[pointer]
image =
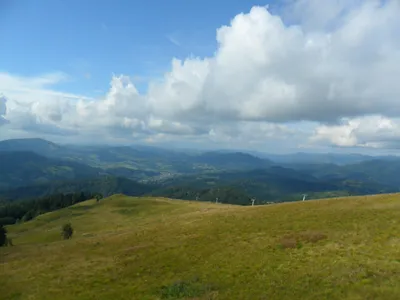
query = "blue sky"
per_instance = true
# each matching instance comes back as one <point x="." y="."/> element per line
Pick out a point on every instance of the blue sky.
<point x="91" y="39"/>
<point x="296" y="75"/>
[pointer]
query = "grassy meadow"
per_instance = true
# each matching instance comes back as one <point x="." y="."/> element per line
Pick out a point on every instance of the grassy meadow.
<point x="154" y="248"/>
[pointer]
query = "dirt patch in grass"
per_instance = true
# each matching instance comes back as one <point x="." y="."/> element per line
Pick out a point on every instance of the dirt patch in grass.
<point x="312" y="236"/>
<point x="289" y="243"/>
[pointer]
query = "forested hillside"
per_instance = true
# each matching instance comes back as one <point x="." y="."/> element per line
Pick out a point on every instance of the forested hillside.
<point x="22" y="211"/>
<point x="106" y="185"/>
<point x="21" y="168"/>
<point x="38" y="168"/>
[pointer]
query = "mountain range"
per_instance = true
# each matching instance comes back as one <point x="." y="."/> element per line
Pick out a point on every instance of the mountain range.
<point x="36" y="167"/>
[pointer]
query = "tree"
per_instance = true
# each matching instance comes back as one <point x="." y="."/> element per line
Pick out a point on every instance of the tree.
<point x="67" y="231"/>
<point x="3" y="236"/>
<point x="98" y="197"/>
<point x="28" y="216"/>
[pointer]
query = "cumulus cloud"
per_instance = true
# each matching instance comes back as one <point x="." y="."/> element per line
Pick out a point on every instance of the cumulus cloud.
<point x="3" y="110"/>
<point x="333" y="63"/>
<point x="368" y="131"/>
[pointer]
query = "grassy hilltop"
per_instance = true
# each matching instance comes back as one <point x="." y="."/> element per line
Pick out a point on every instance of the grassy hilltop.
<point x="154" y="248"/>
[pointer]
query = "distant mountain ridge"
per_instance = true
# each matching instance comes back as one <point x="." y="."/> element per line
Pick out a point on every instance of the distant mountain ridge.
<point x="31" y="144"/>
<point x="39" y="167"/>
<point x="277" y="184"/>
<point x="20" y="168"/>
<point x="149" y="159"/>
<point x="318" y="158"/>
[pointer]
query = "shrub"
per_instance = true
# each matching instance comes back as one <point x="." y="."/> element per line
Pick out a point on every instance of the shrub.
<point x="28" y="216"/>
<point x="3" y="236"/>
<point x="67" y="231"/>
<point x="98" y="197"/>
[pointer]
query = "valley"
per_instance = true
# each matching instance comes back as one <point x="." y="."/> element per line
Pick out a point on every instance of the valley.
<point x="36" y="168"/>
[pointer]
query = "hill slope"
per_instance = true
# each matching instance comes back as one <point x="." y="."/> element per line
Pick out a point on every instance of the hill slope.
<point x="232" y="161"/>
<point x="36" y="145"/>
<point x="318" y="158"/>
<point x="136" y="162"/>
<point x="275" y="183"/>
<point x="22" y="168"/>
<point x="26" y="174"/>
<point x="150" y="248"/>
<point x="105" y="185"/>
<point x="380" y="171"/>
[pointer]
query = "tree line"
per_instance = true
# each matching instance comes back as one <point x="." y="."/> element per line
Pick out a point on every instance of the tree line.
<point x="12" y="212"/>
<point x="224" y="194"/>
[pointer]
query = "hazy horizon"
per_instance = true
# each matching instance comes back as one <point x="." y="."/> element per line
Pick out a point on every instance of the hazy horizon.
<point x="185" y="147"/>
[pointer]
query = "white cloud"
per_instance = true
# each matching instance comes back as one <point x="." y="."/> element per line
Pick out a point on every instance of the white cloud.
<point x="367" y="131"/>
<point x="332" y="63"/>
<point x="3" y="110"/>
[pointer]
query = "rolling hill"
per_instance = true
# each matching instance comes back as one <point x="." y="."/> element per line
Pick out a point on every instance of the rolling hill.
<point x="231" y="177"/>
<point x="105" y="185"/>
<point x="21" y="168"/>
<point x="137" y="162"/>
<point x="36" y="145"/>
<point x="302" y="158"/>
<point x="155" y="248"/>
<point x="381" y="171"/>
<point x="277" y="184"/>
<point x="231" y="161"/>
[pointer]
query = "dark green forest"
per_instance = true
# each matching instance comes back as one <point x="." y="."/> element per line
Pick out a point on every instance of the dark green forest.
<point x="25" y="210"/>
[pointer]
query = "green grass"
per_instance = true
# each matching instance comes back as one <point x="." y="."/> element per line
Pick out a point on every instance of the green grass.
<point x="153" y="248"/>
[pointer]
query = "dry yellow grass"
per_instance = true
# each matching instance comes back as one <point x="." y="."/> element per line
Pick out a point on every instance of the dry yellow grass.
<point x="146" y="248"/>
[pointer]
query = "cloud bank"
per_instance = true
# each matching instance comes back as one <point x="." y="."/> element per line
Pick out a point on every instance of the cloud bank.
<point x="332" y="65"/>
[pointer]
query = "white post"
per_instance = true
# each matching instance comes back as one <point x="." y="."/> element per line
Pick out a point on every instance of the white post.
<point x="216" y="200"/>
<point x="252" y="201"/>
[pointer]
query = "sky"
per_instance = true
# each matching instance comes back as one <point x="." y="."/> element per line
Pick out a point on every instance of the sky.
<point x="272" y="76"/>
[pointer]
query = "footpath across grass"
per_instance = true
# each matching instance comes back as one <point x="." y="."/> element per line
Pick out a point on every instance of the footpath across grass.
<point x="153" y="248"/>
